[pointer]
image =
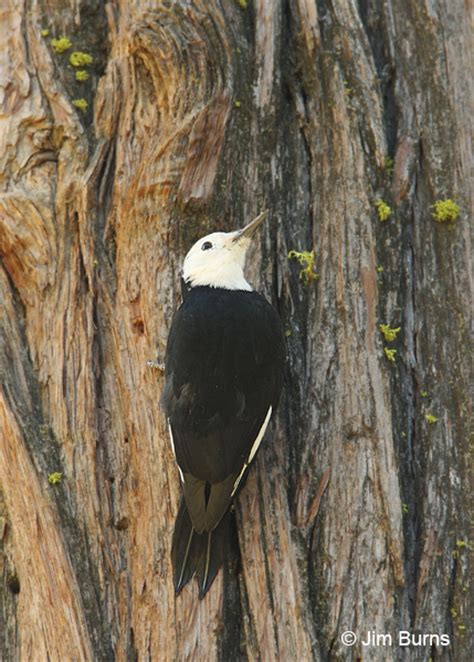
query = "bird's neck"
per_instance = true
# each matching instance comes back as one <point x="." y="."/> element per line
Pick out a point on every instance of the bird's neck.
<point x="227" y="277"/>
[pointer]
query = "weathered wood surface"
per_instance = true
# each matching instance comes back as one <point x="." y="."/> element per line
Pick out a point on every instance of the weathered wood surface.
<point x="200" y="115"/>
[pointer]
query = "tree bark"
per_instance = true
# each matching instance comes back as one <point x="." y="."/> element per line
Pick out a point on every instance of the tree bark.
<point x="201" y="114"/>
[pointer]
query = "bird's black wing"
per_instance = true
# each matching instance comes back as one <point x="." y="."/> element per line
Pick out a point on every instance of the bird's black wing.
<point x="224" y="371"/>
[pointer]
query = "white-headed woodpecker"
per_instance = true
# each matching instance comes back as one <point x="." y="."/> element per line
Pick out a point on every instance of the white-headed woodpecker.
<point x="224" y="372"/>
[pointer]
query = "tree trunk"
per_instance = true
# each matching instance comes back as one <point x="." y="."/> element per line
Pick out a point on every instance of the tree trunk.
<point x="201" y="114"/>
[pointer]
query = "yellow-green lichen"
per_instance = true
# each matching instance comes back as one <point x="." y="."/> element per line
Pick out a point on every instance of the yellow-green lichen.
<point x="383" y="210"/>
<point x="379" y="270"/>
<point x="81" y="104"/>
<point x="45" y="33"/>
<point x="347" y="90"/>
<point x="388" y="333"/>
<point x="79" y="59"/>
<point x="390" y="354"/>
<point x="82" y="75"/>
<point x="424" y="394"/>
<point x="445" y="211"/>
<point x="61" y="45"/>
<point x="288" y="333"/>
<point x="306" y="260"/>
<point x="430" y="418"/>
<point x="243" y="4"/>
<point x="54" y="478"/>
<point x="404" y="508"/>
<point x="388" y="165"/>
<point x="237" y="104"/>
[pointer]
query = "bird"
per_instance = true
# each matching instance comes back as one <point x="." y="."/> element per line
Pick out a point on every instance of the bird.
<point x="224" y="367"/>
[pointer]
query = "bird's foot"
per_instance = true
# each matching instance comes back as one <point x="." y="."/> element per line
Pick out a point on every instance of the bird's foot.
<point x="156" y="365"/>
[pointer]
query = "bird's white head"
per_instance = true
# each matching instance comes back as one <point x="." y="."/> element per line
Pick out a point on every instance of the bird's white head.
<point x="218" y="259"/>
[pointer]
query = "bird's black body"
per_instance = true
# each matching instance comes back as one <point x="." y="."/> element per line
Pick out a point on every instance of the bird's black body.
<point x="224" y="370"/>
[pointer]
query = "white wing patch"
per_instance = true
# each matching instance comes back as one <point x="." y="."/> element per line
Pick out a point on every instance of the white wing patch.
<point x="254" y="449"/>
<point x="174" y="451"/>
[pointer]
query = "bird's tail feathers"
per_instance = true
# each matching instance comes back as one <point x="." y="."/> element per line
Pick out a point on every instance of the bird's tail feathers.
<point x="197" y="553"/>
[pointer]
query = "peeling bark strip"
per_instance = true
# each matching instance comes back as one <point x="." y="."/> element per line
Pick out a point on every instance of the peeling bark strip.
<point x="200" y="113"/>
<point x="204" y="149"/>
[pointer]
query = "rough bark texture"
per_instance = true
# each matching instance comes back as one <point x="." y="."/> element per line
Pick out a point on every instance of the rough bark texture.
<point x="201" y="114"/>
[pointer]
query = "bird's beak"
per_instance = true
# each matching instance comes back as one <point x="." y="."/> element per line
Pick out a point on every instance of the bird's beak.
<point x="250" y="229"/>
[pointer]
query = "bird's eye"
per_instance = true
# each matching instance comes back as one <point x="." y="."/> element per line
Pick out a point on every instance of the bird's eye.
<point x="206" y="245"/>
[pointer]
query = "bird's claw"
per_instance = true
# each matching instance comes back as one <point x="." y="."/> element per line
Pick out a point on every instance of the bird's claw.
<point x="156" y="365"/>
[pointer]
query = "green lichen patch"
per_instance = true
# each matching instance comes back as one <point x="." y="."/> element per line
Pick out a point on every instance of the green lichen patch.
<point x="82" y="75"/>
<point x="383" y="210"/>
<point x="445" y="211"/>
<point x="45" y="33"/>
<point x="390" y="354"/>
<point x="237" y="104"/>
<point x="243" y="4"/>
<point x="347" y="89"/>
<point x="81" y="104"/>
<point x="388" y="165"/>
<point x="430" y="418"/>
<point x="388" y="333"/>
<point x="55" y="478"/>
<point x="307" y="261"/>
<point x="79" y="59"/>
<point x="61" y="45"/>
